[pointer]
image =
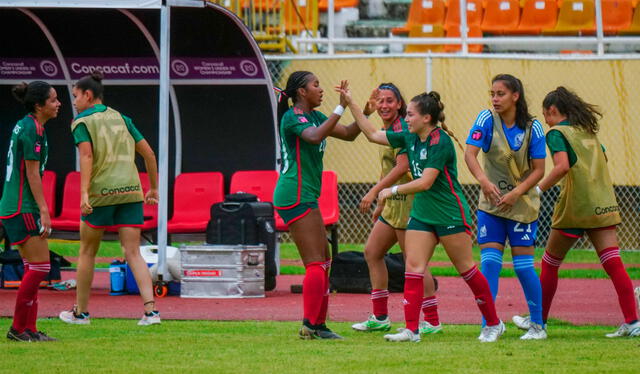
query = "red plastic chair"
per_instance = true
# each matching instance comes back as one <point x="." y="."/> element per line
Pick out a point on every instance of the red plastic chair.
<point x="69" y="218"/>
<point x="49" y="189"/>
<point x="328" y="201"/>
<point x="261" y="183"/>
<point x="193" y="195"/>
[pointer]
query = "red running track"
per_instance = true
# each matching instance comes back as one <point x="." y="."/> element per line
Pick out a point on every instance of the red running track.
<point x="579" y="301"/>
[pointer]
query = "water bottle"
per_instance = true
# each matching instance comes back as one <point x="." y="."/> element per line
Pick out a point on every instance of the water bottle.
<point x="117" y="271"/>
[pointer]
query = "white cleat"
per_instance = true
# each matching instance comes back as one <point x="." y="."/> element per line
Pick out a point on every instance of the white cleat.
<point x="491" y="334"/>
<point x="148" y="320"/>
<point x="636" y="291"/>
<point x="73" y="317"/>
<point x="403" y="335"/>
<point x="626" y="329"/>
<point x="523" y="323"/>
<point x="373" y="324"/>
<point x="535" y="332"/>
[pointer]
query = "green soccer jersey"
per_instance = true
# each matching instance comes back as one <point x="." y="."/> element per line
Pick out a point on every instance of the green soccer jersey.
<point x="28" y="142"/>
<point x="558" y="143"/>
<point x="443" y="204"/>
<point x="301" y="170"/>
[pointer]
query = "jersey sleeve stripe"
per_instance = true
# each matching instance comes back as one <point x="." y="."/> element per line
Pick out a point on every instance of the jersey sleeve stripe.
<point x="482" y="118"/>
<point x="537" y="127"/>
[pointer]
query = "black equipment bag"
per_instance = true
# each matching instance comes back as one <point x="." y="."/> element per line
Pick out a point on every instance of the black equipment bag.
<point x="350" y="273"/>
<point x="241" y="219"/>
<point x="12" y="269"/>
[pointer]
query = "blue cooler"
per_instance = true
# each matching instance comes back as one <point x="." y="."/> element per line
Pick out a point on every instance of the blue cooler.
<point x="132" y="285"/>
<point x="117" y="278"/>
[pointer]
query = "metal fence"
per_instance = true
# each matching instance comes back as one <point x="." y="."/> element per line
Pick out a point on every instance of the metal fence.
<point x="611" y="83"/>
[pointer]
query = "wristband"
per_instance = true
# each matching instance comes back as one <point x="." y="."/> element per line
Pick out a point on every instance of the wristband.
<point x="538" y="190"/>
<point x="339" y="110"/>
<point x="394" y="190"/>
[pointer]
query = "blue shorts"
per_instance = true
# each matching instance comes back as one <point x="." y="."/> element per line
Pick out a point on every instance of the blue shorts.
<point x="497" y="229"/>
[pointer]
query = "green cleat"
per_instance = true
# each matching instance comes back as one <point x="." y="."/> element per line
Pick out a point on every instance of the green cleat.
<point x="373" y="324"/>
<point x="428" y="329"/>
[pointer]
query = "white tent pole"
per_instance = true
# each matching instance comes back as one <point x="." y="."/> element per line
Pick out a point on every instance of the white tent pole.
<point x="163" y="140"/>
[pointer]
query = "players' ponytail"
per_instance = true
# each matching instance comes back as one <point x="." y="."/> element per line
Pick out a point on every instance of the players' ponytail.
<point x="297" y="79"/>
<point x="430" y="103"/>
<point x="523" y="117"/>
<point x="32" y="94"/>
<point x="578" y="112"/>
<point x="93" y="83"/>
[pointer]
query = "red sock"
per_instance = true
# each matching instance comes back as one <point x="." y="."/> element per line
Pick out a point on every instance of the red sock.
<point x="612" y="264"/>
<point x="33" y="310"/>
<point x="430" y="310"/>
<point x="322" y="318"/>
<point x="549" y="281"/>
<point x="379" y="299"/>
<point x="28" y="292"/>
<point x="413" y="291"/>
<point x="481" y="291"/>
<point x="313" y="290"/>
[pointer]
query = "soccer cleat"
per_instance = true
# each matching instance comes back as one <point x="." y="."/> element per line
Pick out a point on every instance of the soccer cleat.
<point x="426" y="328"/>
<point x="72" y="317"/>
<point x="152" y="318"/>
<point x="323" y="332"/>
<point x="307" y="333"/>
<point x="535" y="332"/>
<point x="19" y="337"/>
<point x="626" y="329"/>
<point x="373" y="324"/>
<point x="523" y="323"/>
<point x="490" y="334"/>
<point x="403" y="335"/>
<point x="40" y="336"/>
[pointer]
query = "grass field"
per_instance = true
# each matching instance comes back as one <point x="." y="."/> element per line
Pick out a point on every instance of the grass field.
<point x="119" y="346"/>
<point x="288" y="252"/>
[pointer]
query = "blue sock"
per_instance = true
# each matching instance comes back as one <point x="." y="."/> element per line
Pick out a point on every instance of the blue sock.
<point x="523" y="265"/>
<point x="491" y="263"/>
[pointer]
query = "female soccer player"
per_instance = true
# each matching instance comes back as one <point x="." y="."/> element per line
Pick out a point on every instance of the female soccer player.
<point x="303" y="133"/>
<point x="439" y="212"/>
<point x="390" y="218"/>
<point x="23" y="209"/>
<point x="587" y="202"/>
<point x="110" y="192"/>
<point x="513" y="146"/>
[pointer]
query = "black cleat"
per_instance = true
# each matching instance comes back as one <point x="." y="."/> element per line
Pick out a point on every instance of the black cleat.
<point x="40" y="336"/>
<point x="24" y="336"/>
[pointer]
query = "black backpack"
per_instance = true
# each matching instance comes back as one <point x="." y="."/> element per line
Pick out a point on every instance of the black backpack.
<point x="350" y="273"/>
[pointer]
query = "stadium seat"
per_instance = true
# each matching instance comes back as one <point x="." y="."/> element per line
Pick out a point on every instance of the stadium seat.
<point x="261" y="183"/>
<point x="299" y="16"/>
<point x="474" y="14"/>
<point x="69" y="218"/>
<point x="575" y="18"/>
<point x="425" y="31"/>
<point x="149" y="212"/>
<point x="49" y="190"/>
<point x="193" y="195"/>
<point x="423" y="12"/>
<point x="454" y="32"/>
<point x="634" y="28"/>
<point x="537" y="15"/>
<point x="323" y="5"/>
<point x="616" y="16"/>
<point x="500" y="16"/>
<point x="329" y="206"/>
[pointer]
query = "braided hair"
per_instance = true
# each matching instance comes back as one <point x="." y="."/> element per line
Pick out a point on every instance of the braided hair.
<point x="578" y="112"/>
<point x="429" y="103"/>
<point x="297" y="79"/>
<point x="513" y="84"/>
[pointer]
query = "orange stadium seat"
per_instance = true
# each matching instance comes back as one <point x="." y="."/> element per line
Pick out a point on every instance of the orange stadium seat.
<point x="425" y="31"/>
<point x="501" y="16"/>
<point x="634" y="28"/>
<point x="474" y="13"/>
<point x="49" y="190"/>
<point x="454" y="32"/>
<point x="323" y="5"/>
<point x="616" y="15"/>
<point x="423" y="12"/>
<point x="575" y="17"/>
<point x="69" y="218"/>
<point x="297" y="22"/>
<point x="537" y="15"/>
<point x="193" y="195"/>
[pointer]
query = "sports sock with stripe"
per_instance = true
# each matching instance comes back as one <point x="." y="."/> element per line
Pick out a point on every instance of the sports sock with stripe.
<point x="313" y="291"/>
<point x="413" y="291"/>
<point x="548" y="281"/>
<point x="430" y="310"/>
<point x="482" y="293"/>
<point x="612" y="264"/>
<point x="28" y="292"/>
<point x="379" y="300"/>
<point x="523" y="266"/>
<point x="491" y="262"/>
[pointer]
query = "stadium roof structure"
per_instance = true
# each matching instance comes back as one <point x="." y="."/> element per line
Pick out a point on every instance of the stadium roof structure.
<point x="190" y="60"/>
